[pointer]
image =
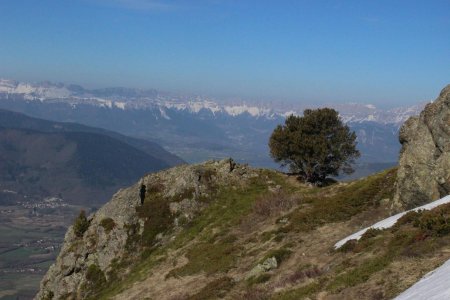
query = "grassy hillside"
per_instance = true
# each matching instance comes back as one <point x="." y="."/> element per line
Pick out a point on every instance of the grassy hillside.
<point x="227" y="250"/>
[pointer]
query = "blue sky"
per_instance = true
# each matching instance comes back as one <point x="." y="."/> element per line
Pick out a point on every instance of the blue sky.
<point x="384" y="52"/>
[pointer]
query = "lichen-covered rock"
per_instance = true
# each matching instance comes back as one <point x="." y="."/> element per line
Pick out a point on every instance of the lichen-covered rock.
<point x="116" y="230"/>
<point x="424" y="165"/>
<point x="267" y="265"/>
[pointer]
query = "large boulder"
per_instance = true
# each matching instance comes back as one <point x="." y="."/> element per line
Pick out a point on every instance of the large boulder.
<point x="424" y="166"/>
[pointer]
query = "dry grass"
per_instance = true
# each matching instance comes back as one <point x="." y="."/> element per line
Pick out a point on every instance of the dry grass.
<point x="310" y="267"/>
<point x="273" y="204"/>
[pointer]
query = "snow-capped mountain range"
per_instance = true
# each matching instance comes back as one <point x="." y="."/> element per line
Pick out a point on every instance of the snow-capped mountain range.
<point x="131" y="99"/>
<point x="197" y="128"/>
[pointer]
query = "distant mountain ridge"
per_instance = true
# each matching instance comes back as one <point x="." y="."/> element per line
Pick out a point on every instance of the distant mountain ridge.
<point x="199" y="128"/>
<point x="10" y="119"/>
<point x="128" y="98"/>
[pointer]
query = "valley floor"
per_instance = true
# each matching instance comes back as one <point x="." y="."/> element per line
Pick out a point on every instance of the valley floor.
<point x="30" y="241"/>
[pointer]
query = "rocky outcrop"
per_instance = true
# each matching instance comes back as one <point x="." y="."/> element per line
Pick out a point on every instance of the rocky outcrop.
<point x="117" y="232"/>
<point x="424" y="165"/>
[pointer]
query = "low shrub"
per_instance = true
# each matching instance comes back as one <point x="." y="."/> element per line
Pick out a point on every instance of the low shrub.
<point x="370" y="233"/>
<point x="155" y="188"/>
<point x="302" y="273"/>
<point x="349" y="246"/>
<point x="408" y="218"/>
<point x="157" y="219"/>
<point x="435" y="222"/>
<point x="108" y="224"/>
<point x="48" y="295"/>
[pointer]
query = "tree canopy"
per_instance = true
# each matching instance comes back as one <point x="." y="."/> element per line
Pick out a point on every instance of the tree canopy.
<point x="315" y="145"/>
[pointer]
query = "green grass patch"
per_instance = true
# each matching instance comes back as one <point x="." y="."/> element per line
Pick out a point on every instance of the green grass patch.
<point x="228" y="208"/>
<point x="116" y="285"/>
<point x="95" y="282"/>
<point x="258" y="279"/>
<point x="210" y="258"/>
<point x="359" y="274"/>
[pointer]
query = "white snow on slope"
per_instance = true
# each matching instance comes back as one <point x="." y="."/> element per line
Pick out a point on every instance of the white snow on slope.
<point x="164" y="114"/>
<point x="120" y="105"/>
<point x="433" y="286"/>
<point x="34" y="91"/>
<point x="252" y="110"/>
<point x="389" y="222"/>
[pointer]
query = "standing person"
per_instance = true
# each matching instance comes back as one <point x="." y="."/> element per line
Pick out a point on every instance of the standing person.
<point x="142" y="193"/>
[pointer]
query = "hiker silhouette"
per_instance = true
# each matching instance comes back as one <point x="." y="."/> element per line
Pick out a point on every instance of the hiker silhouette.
<point x="142" y="193"/>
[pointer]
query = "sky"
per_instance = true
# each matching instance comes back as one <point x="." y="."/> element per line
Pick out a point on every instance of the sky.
<point x="385" y="52"/>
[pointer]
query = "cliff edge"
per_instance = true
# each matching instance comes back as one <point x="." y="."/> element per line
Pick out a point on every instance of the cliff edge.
<point x="122" y="230"/>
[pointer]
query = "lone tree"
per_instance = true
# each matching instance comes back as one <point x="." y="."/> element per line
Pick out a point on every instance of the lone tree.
<point x="315" y="145"/>
<point x="81" y="224"/>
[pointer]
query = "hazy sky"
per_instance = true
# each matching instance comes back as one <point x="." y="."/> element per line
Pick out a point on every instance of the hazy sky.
<point x="383" y="52"/>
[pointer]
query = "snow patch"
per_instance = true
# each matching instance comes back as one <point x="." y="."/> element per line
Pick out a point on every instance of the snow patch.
<point x="252" y="110"/>
<point x="433" y="286"/>
<point x="389" y="222"/>
<point x="290" y="112"/>
<point x="104" y="103"/>
<point x="164" y="114"/>
<point x="120" y="105"/>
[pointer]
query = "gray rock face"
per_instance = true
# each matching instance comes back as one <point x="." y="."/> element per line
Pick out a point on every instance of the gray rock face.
<point x="424" y="165"/>
<point x="105" y="242"/>
<point x="96" y="246"/>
